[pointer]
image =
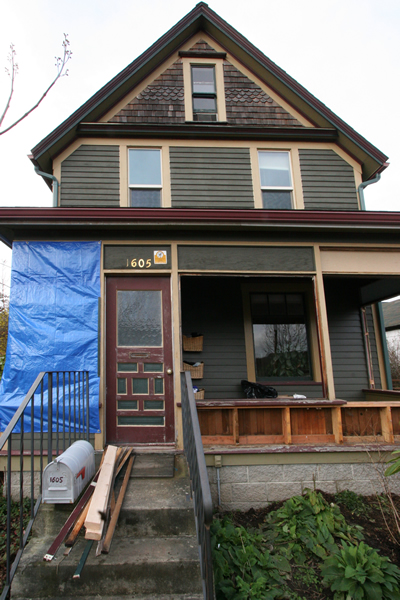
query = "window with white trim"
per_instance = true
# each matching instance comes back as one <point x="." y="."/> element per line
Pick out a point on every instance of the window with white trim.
<point x="276" y="180"/>
<point x="145" y="183"/>
<point x="204" y="93"/>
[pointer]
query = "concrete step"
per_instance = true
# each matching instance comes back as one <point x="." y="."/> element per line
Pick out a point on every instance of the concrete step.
<point x="154" y="553"/>
<point x="157" y="507"/>
<point x="134" y="566"/>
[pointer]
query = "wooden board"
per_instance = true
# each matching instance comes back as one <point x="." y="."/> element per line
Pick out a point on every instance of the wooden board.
<point x="94" y="521"/>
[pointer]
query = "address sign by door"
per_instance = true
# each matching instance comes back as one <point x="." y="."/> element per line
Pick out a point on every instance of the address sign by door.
<point x="137" y="258"/>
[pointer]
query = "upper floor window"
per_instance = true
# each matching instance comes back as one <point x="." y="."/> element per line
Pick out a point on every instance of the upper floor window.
<point x="204" y="93"/>
<point x="276" y="180"/>
<point x="145" y="177"/>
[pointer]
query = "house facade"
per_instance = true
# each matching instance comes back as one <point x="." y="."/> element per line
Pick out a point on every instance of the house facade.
<point x="234" y="243"/>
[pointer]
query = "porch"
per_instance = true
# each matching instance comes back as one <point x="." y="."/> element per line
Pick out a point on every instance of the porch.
<point x="341" y="367"/>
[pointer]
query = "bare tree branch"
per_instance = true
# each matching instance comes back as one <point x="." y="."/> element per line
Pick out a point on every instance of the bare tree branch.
<point x="60" y="64"/>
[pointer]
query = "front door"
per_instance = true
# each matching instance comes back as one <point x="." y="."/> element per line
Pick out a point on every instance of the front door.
<point x="139" y="381"/>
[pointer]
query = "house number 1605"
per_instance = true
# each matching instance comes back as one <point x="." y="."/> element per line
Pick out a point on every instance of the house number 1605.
<point x="141" y="263"/>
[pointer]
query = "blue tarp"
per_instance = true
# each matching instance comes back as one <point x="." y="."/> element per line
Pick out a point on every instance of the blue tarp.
<point x="53" y="322"/>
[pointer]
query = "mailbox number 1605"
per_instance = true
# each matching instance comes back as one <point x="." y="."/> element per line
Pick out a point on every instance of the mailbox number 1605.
<point x="56" y="479"/>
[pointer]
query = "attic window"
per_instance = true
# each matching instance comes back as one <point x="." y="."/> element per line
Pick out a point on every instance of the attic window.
<point x="204" y="93"/>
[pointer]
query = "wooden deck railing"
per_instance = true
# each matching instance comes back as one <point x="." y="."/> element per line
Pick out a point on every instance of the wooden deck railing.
<point x="287" y="421"/>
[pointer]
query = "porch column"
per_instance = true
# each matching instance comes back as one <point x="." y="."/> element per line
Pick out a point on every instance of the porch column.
<point x="323" y="329"/>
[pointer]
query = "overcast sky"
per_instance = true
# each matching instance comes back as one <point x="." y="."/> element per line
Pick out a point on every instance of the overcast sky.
<point x="345" y="52"/>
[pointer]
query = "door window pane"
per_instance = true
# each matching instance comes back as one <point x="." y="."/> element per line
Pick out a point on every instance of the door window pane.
<point x="127" y="405"/>
<point x="121" y="386"/>
<point x="140" y="386"/>
<point x="154" y="405"/>
<point x="159" y="386"/>
<point x="153" y="367"/>
<point x="127" y="367"/>
<point x="139" y="318"/>
<point x="141" y="421"/>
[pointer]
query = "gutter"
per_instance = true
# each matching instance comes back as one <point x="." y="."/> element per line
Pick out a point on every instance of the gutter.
<point x="364" y="185"/>
<point x="56" y="185"/>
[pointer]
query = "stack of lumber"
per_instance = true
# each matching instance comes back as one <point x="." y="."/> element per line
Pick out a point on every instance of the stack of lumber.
<point x="97" y="509"/>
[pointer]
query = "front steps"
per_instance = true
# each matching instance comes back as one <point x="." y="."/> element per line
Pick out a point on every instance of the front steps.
<point x="154" y="553"/>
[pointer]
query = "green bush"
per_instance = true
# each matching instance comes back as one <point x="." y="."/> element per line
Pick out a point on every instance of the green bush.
<point x="359" y="572"/>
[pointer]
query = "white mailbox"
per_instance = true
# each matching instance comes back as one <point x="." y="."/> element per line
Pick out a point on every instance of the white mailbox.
<point x="66" y="477"/>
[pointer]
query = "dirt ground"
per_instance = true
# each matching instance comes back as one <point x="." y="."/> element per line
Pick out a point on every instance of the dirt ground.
<point x="379" y="532"/>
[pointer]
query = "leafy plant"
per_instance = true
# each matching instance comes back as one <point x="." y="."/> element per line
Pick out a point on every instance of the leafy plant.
<point x="395" y="467"/>
<point x="308" y="524"/>
<point x="355" y="503"/>
<point x="243" y="567"/>
<point x="358" y="572"/>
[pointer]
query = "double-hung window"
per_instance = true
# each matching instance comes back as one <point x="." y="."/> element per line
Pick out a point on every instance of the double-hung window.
<point x="145" y="177"/>
<point x="280" y="337"/>
<point x="204" y="93"/>
<point x="276" y="180"/>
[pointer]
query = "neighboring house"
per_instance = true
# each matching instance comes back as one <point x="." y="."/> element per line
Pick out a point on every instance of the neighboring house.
<point x="224" y="200"/>
<point x="391" y="314"/>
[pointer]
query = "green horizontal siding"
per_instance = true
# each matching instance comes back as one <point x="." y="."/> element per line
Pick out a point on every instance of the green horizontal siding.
<point x="90" y="177"/>
<point x="211" y="178"/>
<point x="328" y="181"/>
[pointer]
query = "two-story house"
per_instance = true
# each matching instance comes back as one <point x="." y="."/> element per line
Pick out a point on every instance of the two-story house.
<point x="216" y="196"/>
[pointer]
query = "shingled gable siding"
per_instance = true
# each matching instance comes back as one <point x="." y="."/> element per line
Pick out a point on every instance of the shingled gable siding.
<point x="346" y="337"/>
<point x="248" y="104"/>
<point x="90" y="177"/>
<point x="160" y="102"/>
<point x="328" y="181"/>
<point x="211" y="178"/>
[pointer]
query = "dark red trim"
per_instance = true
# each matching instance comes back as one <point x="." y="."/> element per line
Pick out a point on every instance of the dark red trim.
<point x="220" y="131"/>
<point x="201" y="54"/>
<point x="125" y="216"/>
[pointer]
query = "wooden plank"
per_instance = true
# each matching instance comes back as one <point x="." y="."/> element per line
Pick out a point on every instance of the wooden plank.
<point x="337" y="424"/>
<point x="114" y="519"/>
<point x="215" y="440"/>
<point x="286" y="425"/>
<point x="313" y="439"/>
<point x="94" y="522"/>
<point x="386" y="424"/>
<point x="83" y="559"/>
<point x="236" y="425"/>
<point x="261" y="439"/>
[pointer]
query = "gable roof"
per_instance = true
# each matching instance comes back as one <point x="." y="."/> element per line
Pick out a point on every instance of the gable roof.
<point x="203" y="19"/>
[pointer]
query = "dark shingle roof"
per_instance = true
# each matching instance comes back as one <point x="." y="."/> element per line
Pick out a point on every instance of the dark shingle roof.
<point x="391" y="313"/>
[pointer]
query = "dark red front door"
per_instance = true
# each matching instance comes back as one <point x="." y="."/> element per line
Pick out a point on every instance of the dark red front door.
<point x="139" y="398"/>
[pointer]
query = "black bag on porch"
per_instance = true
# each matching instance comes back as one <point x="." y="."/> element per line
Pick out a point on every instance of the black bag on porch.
<point x="257" y="390"/>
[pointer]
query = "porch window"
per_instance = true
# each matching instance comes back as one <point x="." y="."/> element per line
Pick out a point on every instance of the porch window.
<point x="204" y="93"/>
<point x="280" y="337"/>
<point x="276" y="180"/>
<point x="145" y="177"/>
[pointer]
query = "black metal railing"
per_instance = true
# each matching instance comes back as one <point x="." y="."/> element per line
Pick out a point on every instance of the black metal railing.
<point x="200" y="487"/>
<point x="61" y="399"/>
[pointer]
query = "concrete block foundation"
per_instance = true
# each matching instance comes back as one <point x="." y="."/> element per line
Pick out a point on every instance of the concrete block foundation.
<point x="254" y="486"/>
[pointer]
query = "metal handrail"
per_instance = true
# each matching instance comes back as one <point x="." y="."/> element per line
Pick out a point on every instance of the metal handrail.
<point x="200" y="487"/>
<point x="71" y="390"/>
